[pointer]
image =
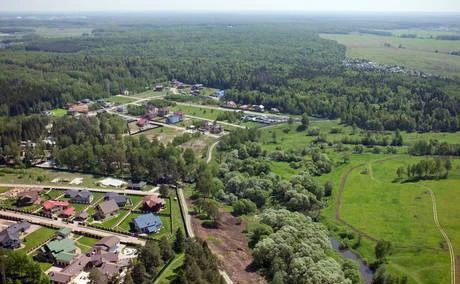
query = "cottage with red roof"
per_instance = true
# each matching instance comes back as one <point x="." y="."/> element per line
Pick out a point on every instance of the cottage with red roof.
<point x="153" y="202"/>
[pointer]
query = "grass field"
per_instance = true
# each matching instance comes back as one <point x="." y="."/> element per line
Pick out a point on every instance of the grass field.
<point x="59" y="112"/>
<point x="37" y="237"/>
<point x="120" y="100"/>
<point x="400" y="213"/>
<point x="164" y="134"/>
<point x="197" y="111"/>
<point x="35" y="175"/>
<point x="170" y="272"/>
<point x="86" y="243"/>
<point x="416" y="53"/>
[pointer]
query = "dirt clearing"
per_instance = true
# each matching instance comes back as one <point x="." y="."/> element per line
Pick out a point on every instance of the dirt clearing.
<point x="230" y="245"/>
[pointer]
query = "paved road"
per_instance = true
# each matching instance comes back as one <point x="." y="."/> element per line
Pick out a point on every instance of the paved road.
<point x="443" y="233"/>
<point x="73" y="226"/>
<point x="126" y="191"/>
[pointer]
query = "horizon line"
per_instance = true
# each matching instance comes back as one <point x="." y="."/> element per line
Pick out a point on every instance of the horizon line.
<point x="230" y="11"/>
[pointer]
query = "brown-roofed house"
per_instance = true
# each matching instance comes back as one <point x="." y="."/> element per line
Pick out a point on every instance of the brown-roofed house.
<point x="153" y="202"/>
<point x="106" y="208"/>
<point x="108" y="244"/>
<point x="29" y="197"/>
<point x="82" y="216"/>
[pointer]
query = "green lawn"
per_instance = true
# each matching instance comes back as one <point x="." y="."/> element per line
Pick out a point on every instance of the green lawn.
<point x="197" y="111"/>
<point x="37" y="237"/>
<point x="59" y="112"/>
<point x="125" y="225"/>
<point x="417" y="53"/>
<point x="86" y="243"/>
<point x="170" y="272"/>
<point x="110" y="223"/>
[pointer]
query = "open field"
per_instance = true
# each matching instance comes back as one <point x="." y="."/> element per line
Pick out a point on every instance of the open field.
<point x="118" y="100"/>
<point x="45" y="176"/>
<point x="151" y="93"/>
<point x="400" y="213"/>
<point x="52" y="32"/>
<point x="163" y="134"/>
<point x="418" y="54"/>
<point x="199" y="112"/>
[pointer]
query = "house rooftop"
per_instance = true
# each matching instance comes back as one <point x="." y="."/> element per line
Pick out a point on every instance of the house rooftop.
<point x="108" y="206"/>
<point x="149" y="221"/>
<point x="108" y="242"/>
<point x="49" y="204"/>
<point x="62" y="245"/>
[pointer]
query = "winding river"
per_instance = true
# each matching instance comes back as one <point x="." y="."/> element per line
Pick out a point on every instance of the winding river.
<point x="366" y="272"/>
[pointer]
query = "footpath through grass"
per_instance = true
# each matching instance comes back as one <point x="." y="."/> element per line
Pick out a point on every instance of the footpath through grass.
<point x="400" y="213"/>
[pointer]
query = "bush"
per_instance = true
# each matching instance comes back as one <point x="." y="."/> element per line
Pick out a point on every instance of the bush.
<point x="244" y="206"/>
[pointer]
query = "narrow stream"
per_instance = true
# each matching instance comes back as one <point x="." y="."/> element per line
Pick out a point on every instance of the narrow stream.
<point x="366" y="272"/>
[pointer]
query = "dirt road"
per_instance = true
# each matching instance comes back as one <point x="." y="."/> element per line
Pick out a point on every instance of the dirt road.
<point x="443" y="233"/>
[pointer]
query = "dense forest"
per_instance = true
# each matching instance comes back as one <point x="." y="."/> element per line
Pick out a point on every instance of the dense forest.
<point x="282" y="65"/>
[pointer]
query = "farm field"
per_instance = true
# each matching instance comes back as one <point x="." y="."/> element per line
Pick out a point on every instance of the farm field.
<point x="418" y="54"/>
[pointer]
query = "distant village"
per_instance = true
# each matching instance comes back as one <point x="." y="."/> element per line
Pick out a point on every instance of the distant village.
<point x="365" y="65"/>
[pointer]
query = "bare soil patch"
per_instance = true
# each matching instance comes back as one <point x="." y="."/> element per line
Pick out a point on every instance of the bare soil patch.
<point x="230" y="245"/>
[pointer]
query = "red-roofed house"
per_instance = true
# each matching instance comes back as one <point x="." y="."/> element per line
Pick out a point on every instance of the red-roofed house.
<point x="153" y="202"/>
<point x="68" y="212"/>
<point x="51" y="207"/>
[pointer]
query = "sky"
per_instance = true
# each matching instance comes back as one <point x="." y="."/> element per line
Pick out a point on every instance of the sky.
<point x="231" y="5"/>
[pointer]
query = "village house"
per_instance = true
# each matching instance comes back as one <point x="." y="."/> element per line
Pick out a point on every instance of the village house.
<point x="158" y="88"/>
<point x="67" y="212"/>
<point x="60" y="251"/>
<point x="231" y="104"/>
<point x="63" y="233"/>
<point x="175" y="117"/>
<point x="163" y="111"/>
<point x="103" y="257"/>
<point x="153" y="202"/>
<point x="141" y="122"/>
<point x="151" y="113"/>
<point x="51" y="207"/>
<point x="121" y="200"/>
<point x="10" y="237"/>
<point x="137" y="185"/>
<point x="79" y="196"/>
<point x="107" y="244"/>
<point x="29" y="197"/>
<point x="106" y="209"/>
<point x="147" y="224"/>
<point x="82" y="216"/>
<point x="77" y="109"/>
<point x="212" y="127"/>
